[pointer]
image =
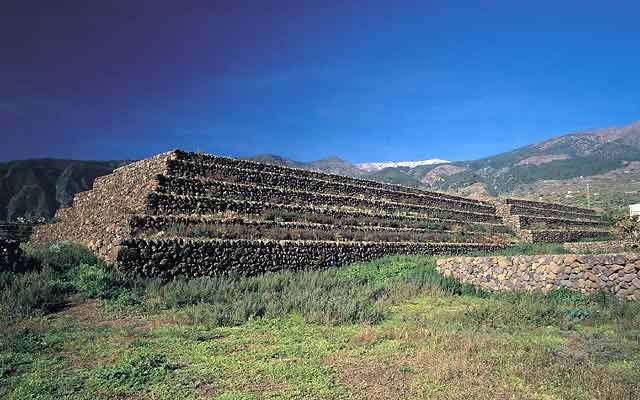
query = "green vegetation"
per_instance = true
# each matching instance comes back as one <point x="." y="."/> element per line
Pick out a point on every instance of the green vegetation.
<point x="391" y="328"/>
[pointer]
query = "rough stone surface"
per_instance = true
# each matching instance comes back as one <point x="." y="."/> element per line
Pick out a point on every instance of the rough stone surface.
<point x="168" y="204"/>
<point x="615" y="273"/>
<point x="211" y="162"/>
<point x="538" y="222"/>
<point x="99" y="218"/>
<point x="169" y="258"/>
<point x="605" y="246"/>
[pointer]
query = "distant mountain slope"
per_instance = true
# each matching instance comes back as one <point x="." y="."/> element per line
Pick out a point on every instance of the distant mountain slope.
<point x="594" y="152"/>
<point x="331" y="165"/>
<point x="37" y="188"/>
<point x="568" y="156"/>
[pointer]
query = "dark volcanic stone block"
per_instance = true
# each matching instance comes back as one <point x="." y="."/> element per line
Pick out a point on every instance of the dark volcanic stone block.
<point x="169" y="258"/>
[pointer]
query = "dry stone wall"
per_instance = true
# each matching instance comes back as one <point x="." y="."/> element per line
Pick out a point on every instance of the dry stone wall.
<point x="549" y="206"/>
<point x="153" y="223"/>
<point x="605" y="246"/>
<point x="537" y="222"/>
<point x="169" y="258"/>
<point x="531" y="221"/>
<point x="542" y="212"/>
<point x="614" y="273"/>
<point x="560" y="236"/>
<point x="240" y="228"/>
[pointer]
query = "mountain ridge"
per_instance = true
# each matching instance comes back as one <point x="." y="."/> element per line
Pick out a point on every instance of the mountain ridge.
<point x="545" y="170"/>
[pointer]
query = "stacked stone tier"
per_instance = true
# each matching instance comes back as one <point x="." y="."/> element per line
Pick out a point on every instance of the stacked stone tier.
<point x="549" y="212"/>
<point x="280" y="195"/>
<point x="169" y="204"/>
<point x="536" y="221"/>
<point x="210" y="162"/>
<point x="192" y="172"/>
<point x="238" y="228"/>
<point x="550" y="206"/>
<point x="213" y="257"/>
<point x="560" y="236"/>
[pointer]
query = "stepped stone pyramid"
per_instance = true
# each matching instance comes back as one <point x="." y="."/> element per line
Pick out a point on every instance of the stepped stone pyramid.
<point x="201" y="215"/>
<point x="535" y="221"/>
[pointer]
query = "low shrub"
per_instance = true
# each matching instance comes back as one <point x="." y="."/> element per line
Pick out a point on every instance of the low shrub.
<point x="60" y="256"/>
<point x="39" y="291"/>
<point x="102" y="281"/>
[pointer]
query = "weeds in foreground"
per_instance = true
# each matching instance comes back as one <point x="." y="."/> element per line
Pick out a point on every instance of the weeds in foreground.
<point x="357" y="293"/>
<point x="485" y="345"/>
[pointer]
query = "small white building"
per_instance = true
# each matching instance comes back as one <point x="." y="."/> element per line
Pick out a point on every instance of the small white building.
<point x="634" y="210"/>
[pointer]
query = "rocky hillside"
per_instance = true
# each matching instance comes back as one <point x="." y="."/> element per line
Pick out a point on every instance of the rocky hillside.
<point x="36" y="188"/>
<point x="331" y="165"/>
<point x="569" y="156"/>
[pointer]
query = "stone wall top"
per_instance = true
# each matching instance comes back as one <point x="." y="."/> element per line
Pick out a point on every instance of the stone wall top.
<point x="615" y="273"/>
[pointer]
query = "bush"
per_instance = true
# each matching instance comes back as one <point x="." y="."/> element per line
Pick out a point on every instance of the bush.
<point x="60" y="256"/>
<point x="98" y="281"/>
<point x="57" y="270"/>
<point x="40" y="291"/>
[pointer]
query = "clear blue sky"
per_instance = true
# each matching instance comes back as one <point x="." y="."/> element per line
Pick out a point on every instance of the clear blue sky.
<point x="363" y="80"/>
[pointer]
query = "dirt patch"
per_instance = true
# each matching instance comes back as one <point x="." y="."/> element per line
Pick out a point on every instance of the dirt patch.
<point x="89" y="313"/>
<point x="440" y="366"/>
<point x="373" y="378"/>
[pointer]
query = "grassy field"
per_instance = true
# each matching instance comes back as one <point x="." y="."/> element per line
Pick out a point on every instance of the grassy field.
<point x="389" y="329"/>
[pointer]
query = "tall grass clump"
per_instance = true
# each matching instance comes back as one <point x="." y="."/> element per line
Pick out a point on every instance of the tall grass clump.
<point x="55" y="272"/>
<point x="59" y="256"/>
<point x="357" y="293"/>
<point x="32" y="292"/>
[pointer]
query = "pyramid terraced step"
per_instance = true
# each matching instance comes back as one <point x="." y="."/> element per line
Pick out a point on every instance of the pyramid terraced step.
<point x="531" y="221"/>
<point x="536" y="221"/>
<point x="147" y="226"/>
<point x="214" y="257"/>
<point x="280" y="195"/>
<point x="542" y="212"/>
<point x="209" y="161"/>
<point x="560" y="236"/>
<point x="207" y="172"/>
<point x="168" y="204"/>
<point x="550" y="206"/>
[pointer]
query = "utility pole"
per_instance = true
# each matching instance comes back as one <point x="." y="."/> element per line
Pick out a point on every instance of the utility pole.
<point x="588" y="196"/>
